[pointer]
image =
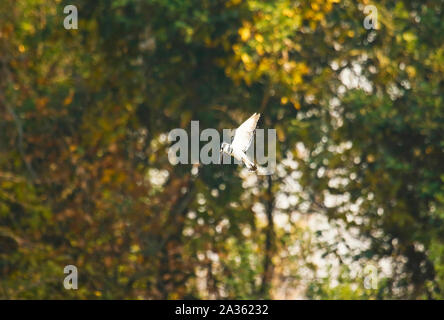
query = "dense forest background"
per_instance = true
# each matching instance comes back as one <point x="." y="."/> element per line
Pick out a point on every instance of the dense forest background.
<point x="85" y="178"/>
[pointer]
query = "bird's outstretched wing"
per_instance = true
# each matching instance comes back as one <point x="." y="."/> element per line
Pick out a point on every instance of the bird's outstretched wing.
<point x="244" y="134"/>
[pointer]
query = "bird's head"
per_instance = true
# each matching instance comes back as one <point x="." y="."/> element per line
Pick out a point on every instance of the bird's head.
<point x="225" y="147"/>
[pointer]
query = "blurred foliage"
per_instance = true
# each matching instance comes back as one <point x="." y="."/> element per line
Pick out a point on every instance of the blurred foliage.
<point x="85" y="178"/>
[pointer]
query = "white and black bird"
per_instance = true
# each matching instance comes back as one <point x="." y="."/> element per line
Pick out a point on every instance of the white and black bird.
<point x="241" y="142"/>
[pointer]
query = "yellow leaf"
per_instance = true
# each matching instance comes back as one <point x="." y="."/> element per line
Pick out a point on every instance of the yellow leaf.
<point x="260" y="50"/>
<point x="296" y="104"/>
<point x="259" y="37"/>
<point x="68" y="99"/>
<point x="287" y="12"/>
<point x="409" y="36"/>
<point x="245" y="33"/>
<point x="245" y="58"/>
<point x="411" y="71"/>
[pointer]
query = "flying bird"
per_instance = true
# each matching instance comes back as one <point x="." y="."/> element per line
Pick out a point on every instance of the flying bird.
<point x="241" y="142"/>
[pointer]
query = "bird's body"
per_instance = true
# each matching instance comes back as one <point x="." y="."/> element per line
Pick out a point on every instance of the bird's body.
<point x="242" y="141"/>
